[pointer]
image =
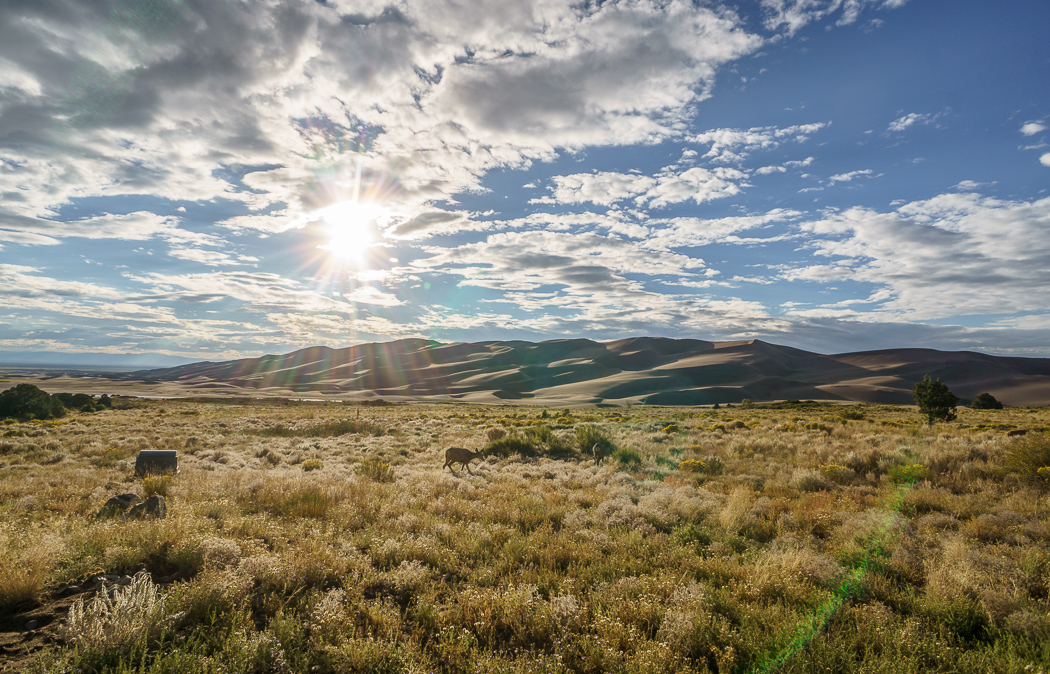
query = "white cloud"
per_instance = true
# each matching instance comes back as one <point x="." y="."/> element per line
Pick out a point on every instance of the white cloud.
<point x="668" y="187"/>
<point x="734" y="145"/>
<point x="955" y="254"/>
<point x="372" y="295"/>
<point x="1045" y="159"/>
<point x="1032" y="128"/>
<point x="690" y="232"/>
<point x="910" y="119"/>
<point x="250" y="103"/>
<point x="848" y="177"/>
<point x="794" y="14"/>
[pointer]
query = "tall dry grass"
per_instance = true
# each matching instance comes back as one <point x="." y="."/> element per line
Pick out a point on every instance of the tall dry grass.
<point x="703" y="542"/>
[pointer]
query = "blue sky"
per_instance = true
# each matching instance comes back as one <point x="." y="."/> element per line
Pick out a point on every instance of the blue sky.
<point x="214" y="180"/>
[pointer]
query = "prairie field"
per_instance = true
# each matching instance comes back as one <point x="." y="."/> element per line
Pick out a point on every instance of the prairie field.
<point x="324" y="537"/>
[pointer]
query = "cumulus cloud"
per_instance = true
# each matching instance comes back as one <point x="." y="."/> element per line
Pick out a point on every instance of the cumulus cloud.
<point x="940" y="257"/>
<point x="734" y="145"/>
<point x="1033" y="128"/>
<point x="688" y="232"/>
<point x="668" y="187"/>
<point x="848" y="177"/>
<point x="255" y="103"/>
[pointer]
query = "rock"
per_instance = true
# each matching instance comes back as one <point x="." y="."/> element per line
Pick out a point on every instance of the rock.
<point x="153" y="508"/>
<point x="123" y="581"/>
<point x="1016" y="432"/>
<point x="118" y="505"/>
<point x="32" y="625"/>
<point x="69" y="590"/>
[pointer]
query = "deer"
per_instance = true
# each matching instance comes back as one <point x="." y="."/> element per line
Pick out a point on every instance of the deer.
<point x="598" y="453"/>
<point x="459" y="455"/>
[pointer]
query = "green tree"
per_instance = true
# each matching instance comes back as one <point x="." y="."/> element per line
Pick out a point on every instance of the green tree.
<point x="985" y="401"/>
<point x="935" y="401"/>
<point x="26" y="401"/>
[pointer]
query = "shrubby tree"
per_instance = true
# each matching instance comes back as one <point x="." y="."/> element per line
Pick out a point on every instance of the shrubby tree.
<point x="81" y="402"/>
<point x="985" y="401"/>
<point x="26" y="401"/>
<point x="935" y="401"/>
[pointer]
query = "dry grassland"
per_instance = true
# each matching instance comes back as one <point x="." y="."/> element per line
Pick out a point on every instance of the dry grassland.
<point x="786" y="538"/>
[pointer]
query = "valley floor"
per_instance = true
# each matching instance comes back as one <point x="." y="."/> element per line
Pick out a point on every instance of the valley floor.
<point x="327" y="538"/>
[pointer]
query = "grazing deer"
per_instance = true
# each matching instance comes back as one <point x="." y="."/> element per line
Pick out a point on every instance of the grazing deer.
<point x="598" y="453"/>
<point x="459" y="455"/>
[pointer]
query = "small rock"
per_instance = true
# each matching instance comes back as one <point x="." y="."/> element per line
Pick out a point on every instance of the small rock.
<point x="154" y="508"/>
<point x="32" y="625"/>
<point x="70" y="590"/>
<point x="123" y="581"/>
<point x="118" y="505"/>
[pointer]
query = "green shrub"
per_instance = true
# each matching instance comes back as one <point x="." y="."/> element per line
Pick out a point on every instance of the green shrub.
<point x="157" y="485"/>
<point x="307" y="503"/>
<point x="709" y="465"/>
<point x="985" y="401"/>
<point x="328" y="429"/>
<point x="312" y="464"/>
<point x="81" y="402"/>
<point x="373" y="469"/>
<point x="587" y="436"/>
<point x="1028" y="456"/>
<point x="532" y="441"/>
<point x="908" y="473"/>
<point x="628" y="457"/>
<point x="511" y="444"/>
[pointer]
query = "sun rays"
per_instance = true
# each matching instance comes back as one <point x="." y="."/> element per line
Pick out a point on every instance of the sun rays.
<point x="352" y="228"/>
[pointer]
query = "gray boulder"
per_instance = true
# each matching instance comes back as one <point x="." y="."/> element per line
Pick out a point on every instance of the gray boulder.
<point x="152" y="508"/>
<point x="118" y="505"/>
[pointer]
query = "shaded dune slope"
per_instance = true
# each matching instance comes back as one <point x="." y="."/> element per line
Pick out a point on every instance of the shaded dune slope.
<point x="650" y="369"/>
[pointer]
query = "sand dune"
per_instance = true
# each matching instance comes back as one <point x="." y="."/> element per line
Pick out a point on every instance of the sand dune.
<point x="581" y="372"/>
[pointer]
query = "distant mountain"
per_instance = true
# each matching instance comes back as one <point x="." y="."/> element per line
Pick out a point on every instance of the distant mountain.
<point x="94" y="361"/>
<point x="650" y="369"/>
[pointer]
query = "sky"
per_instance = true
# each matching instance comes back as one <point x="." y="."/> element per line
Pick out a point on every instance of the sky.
<point x="216" y="179"/>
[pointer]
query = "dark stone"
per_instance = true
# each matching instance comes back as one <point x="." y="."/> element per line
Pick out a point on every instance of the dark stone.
<point x="32" y="625"/>
<point x="70" y="590"/>
<point x="118" y="505"/>
<point x="157" y="462"/>
<point x="153" y="508"/>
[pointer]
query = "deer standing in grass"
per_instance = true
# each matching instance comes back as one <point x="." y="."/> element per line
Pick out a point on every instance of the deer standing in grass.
<point x="459" y="455"/>
<point x="598" y="453"/>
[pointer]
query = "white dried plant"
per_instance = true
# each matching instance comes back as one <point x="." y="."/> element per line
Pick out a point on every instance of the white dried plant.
<point x="219" y="553"/>
<point x="114" y="619"/>
<point x="565" y="608"/>
<point x="409" y="575"/>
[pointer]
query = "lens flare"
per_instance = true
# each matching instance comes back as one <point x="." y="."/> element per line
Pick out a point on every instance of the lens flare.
<point x="351" y="227"/>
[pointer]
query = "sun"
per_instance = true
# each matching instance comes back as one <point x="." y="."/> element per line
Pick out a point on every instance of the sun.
<point x="351" y="227"/>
